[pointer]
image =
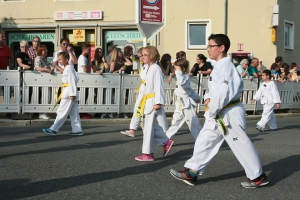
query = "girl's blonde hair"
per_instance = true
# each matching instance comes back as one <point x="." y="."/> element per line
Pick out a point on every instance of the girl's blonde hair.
<point x="153" y="53"/>
<point x="115" y="55"/>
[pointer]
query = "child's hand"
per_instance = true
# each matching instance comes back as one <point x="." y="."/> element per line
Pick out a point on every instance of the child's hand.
<point x="252" y="101"/>
<point x="72" y="97"/>
<point x="156" y="107"/>
<point x="277" y="105"/>
<point x="206" y="102"/>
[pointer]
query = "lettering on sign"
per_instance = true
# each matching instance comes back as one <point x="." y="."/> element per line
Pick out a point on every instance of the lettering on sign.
<point x="77" y="15"/>
<point x="151" y="11"/>
<point x="13" y="37"/>
<point x="79" y="35"/>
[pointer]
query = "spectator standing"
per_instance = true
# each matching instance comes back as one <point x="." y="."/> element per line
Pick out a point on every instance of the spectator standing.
<point x="243" y="68"/>
<point x="5" y="54"/>
<point x="166" y="64"/>
<point x="110" y="52"/>
<point x="252" y="70"/>
<point x="293" y="72"/>
<point x="22" y="57"/>
<point x="201" y="66"/>
<point x="128" y="52"/>
<point x="279" y="61"/>
<point x="32" y="51"/>
<point x="118" y="61"/>
<point x="83" y="67"/>
<point x="40" y="64"/>
<point x="285" y="71"/>
<point x="64" y="44"/>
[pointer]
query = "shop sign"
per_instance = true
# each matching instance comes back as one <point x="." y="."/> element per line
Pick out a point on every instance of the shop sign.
<point x="151" y="11"/>
<point x="79" y="35"/>
<point x="17" y="37"/>
<point x="78" y="15"/>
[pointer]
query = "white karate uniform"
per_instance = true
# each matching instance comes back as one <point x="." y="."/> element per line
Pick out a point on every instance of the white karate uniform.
<point x="225" y="85"/>
<point x="153" y="133"/>
<point x="135" y="121"/>
<point x="268" y="96"/>
<point x="68" y="106"/>
<point x="185" y="107"/>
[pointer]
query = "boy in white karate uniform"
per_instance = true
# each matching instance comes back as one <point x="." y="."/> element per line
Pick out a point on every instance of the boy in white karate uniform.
<point x="151" y="106"/>
<point x="268" y="96"/>
<point x="224" y="120"/>
<point x="187" y="100"/>
<point x="69" y="99"/>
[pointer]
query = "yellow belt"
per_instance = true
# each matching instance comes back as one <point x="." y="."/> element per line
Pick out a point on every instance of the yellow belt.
<point x="64" y="85"/>
<point x="219" y="119"/>
<point x="141" y="82"/>
<point x="141" y="107"/>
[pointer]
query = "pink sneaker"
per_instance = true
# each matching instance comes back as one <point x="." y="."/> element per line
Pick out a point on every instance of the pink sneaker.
<point x="167" y="147"/>
<point x="128" y="133"/>
<point x="145" y="157"/>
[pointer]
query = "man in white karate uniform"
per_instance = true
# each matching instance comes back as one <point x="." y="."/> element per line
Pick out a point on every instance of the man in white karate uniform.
<point x="224" y="120"/>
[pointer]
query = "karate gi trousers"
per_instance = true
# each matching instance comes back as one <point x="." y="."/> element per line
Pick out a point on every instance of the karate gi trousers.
<point x="268" y="117"/>
<point x="67" y="107"/>
<point x="211" y="138"/>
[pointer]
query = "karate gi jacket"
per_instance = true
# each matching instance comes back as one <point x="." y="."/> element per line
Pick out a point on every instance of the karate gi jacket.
<point x="267" y="93"/>
<point x="70" y="76"/>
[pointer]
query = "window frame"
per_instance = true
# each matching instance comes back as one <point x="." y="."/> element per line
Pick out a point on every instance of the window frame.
<point x="208" y="31"/>
<point x="291" y="35"/>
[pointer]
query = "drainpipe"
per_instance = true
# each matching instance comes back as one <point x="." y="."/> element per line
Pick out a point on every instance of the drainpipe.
<point x="225" y="16"/>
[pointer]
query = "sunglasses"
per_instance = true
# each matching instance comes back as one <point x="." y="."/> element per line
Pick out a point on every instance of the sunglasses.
<point x="65" y="44"/>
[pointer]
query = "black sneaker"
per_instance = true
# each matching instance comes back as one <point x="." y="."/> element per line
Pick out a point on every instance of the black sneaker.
<point x="184" y="176"/>
<point x="258" y="182"/>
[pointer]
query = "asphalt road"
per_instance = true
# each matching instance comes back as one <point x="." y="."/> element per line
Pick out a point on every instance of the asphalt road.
<point x="101" y="165"/>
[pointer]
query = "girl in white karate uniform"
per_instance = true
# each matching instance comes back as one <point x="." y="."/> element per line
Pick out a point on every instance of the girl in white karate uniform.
<point x="151" y="106"/>
<point x="135" y="120"/>
<point x="186" y="102"/>
<point x="69" y="99"/>
<point x="268" y="96"/>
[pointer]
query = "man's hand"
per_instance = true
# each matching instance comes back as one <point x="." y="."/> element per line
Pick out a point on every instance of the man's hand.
<point x="206" y="102"/>
<point x="277" y="105"/>
<point x="157" y="107"/>
<point x="252" y="101"/>
<point x="72" y="97"/>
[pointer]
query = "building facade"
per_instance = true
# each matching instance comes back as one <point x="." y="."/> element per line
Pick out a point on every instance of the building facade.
<point x="188" y="23"/>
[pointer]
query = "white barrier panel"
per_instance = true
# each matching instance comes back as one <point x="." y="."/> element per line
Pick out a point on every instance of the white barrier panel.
<point x="10" y="91"/>
<point x="250" y="88"/>
<point x="203" y="89"/>
<point x="296" y="96"/>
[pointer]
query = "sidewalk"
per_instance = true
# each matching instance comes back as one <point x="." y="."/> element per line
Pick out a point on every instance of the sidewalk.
<point x="6" y="121"/>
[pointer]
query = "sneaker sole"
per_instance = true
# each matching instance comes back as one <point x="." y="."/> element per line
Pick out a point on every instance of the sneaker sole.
<point x="76" y="134"/>
<point x="144" y="160"/>
<point x="185" y="181"/>
<point x="169" y="149"/>
<point x="54" y="134"/>
<point x="124" y="133"/>
<point x="253" y="187"/>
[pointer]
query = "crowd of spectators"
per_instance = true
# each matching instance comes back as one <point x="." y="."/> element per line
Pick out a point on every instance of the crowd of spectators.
<point x="35" y="58"/>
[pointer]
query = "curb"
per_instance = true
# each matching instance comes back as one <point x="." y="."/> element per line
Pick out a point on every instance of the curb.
<point x="95" y="121"/>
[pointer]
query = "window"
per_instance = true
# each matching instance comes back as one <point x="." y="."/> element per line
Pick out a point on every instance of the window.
<point x="197" y="32"/>
<point x="288" y="35"/>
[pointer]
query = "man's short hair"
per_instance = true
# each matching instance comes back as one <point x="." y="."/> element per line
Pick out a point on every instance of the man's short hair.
<point x="64" y="39"/>
<point x="278" y="59"/>
<point x="221" y="39"/>
<point x="85" y="46"/>
<point x="253" y="60"/>
<point x="111" y="48"/>
<point x="36" y="37"/>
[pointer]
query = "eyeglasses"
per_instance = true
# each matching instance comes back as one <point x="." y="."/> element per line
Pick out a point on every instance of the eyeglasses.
<point x="212" y="45"/>
<point x="65" y="44"/>
<point x="23" y="46"/>
<point x="36" y="41"/>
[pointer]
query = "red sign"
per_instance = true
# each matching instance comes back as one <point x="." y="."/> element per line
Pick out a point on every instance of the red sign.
<point x="151" y="11"/>
<point x="240" y="47"/>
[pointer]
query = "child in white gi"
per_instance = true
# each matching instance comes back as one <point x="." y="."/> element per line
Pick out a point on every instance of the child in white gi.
<point x="268" y="96"/>
<point x="135" y="120"/>
<point x="224" y="120"/>
<point x="69" y="99"/>
<point x="151" y="106"/>
<point x="186" y="102"/>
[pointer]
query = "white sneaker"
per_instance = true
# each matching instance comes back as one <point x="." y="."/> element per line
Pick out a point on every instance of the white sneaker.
<point x="43" y="116"/>
<point x="111" y="115"/>
<point x="125" y="116"/>
<point x="103" y="116"/>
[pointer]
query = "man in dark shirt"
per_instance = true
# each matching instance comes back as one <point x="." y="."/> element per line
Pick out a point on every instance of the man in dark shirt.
<point x="5" y="54"/>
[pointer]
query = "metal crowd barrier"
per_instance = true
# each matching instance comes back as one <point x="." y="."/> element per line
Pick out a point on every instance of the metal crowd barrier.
<point x="110" y="93"/>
